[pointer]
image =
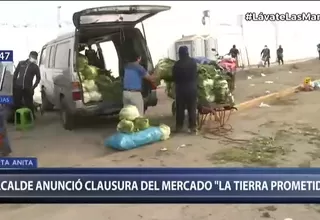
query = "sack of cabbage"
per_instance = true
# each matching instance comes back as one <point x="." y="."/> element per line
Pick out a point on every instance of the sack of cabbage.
<point x="215" y="91"/>
<point x="131" y="122"/>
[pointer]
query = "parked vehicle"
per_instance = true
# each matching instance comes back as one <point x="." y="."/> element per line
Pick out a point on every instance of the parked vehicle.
<point x="60" y="80"/>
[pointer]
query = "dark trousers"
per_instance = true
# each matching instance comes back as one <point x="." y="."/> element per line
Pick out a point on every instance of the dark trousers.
<point x="319" y="54"/>
<point x="23" y="98"/>
<point x="280" y="60"/>
<point x="267" y="61"/>
<point x="186" y="100"/>
<point x="5" y="148"/>
<point x="231" y="81"/>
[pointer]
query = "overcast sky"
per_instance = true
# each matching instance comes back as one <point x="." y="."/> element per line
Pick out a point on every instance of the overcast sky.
<point x="46" y="12"/>
<point x="183" y="18"/>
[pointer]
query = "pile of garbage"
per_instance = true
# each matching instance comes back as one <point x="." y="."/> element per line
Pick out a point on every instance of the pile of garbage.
<point x="212" y="83"/>
<point x="131" y="122"/>
<point x="309" y="85"/>
<point x="98" y="84"/>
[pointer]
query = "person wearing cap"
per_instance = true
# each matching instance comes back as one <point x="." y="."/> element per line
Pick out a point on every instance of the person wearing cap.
<point x="134" y="73"/>
<point x="23" y="87"/>
<point x="265" y="55"/>
<point x="185" y="77"/>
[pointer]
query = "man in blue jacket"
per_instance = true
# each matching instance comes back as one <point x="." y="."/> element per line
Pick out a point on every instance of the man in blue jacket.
<point x="185" y="77"/>
<point x="134" y="73"/>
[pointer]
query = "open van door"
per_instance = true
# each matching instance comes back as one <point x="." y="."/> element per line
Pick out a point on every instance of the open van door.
<point x="120" y="16"/>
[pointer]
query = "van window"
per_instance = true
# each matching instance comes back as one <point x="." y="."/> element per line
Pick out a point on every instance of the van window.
<point x="47" y="59"/>
<point x="52" y="56"/>
<point x="110" y="56"/>
<point x="62" y="56"/>
<point x="43" y="57"/>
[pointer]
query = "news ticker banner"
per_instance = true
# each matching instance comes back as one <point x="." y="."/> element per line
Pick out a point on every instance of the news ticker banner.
<point x="6" y="76"/>
<point x="160" y="185"/>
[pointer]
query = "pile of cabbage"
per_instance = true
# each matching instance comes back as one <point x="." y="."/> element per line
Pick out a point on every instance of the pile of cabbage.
<point x="130" y="122"/>
<point x="98" y="84"/>
<point x="212" y="83"/>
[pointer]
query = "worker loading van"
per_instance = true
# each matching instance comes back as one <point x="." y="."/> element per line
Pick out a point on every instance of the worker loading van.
<point x="74" y="74"/>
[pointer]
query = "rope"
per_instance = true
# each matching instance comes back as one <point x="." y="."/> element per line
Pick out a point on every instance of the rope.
<point x="222" y="129"/>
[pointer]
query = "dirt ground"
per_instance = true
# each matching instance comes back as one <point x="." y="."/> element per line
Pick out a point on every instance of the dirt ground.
<point x="285" y="134"/>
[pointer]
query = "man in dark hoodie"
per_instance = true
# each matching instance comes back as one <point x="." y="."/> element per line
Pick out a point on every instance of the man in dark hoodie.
<point x="280" y="55"/>
<point x="185" y="77"/>
<point x="23" y="87"/>
<point x="265" y="55"/>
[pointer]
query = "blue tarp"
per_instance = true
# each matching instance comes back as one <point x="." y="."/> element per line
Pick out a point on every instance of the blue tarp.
<point x="122" y="141"/>
<point x="202" y="60"/>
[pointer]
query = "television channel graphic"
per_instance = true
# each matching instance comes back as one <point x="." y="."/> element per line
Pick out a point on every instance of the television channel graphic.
<point x="6" y="76"/>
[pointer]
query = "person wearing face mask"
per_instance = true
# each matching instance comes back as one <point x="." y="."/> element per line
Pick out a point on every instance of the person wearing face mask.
<point x="23" y="87"/>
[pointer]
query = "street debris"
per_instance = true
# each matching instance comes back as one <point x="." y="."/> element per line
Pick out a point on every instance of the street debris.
<point x="267" y="92"/>
<point x="263" y="74"/>
<point x="183" y="145"/>
<point x="290" y="72"/>
<point x="263" y="105"/>
<point x="309" y="85"/>
<point x="252" y="85"/>
<point x="249" y="77"/>
<point x="163" y="149"/>
<point x="268" y="82"/>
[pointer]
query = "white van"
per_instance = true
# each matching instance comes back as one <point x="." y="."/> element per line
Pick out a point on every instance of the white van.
<point x="61" y="85"/>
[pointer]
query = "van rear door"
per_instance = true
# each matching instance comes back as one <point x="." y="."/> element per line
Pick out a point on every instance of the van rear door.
<point x="119" y="16"/>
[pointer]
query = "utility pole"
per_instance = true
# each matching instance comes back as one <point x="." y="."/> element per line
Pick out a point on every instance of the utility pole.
<point x="58" y="17"/>
<point x="240" y="23"/>
<point x="276" y="33"/>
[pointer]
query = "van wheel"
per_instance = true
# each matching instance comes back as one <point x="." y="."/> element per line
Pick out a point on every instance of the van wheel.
<point x="67" y="119"/>
<point x="45" y="105"/>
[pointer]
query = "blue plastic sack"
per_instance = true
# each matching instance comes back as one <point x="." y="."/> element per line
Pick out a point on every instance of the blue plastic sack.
<point x="122" y="141"/>
<point x="202" y="60"/>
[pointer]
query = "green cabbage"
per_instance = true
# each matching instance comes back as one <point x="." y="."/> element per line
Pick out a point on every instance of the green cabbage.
<point x="86" y="97"/>
<point x="81" y="77"/>
<point x="141" y="123"/>
<point x="129" y="112"/>
<point x="166" y="131"/>
<point x="211" y="87"/>
<point x="89" y="85"/>
<point x="125" y="126"/>
<point x="90" y="72"/>
<point x="164" y="69"/>
<point x="98" y="84"/>
<point x="82" y="62"/>
<point x="95" y="96"/>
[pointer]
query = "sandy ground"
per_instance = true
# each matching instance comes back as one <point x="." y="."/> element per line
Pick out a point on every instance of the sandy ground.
<point x="83" y="147"/>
